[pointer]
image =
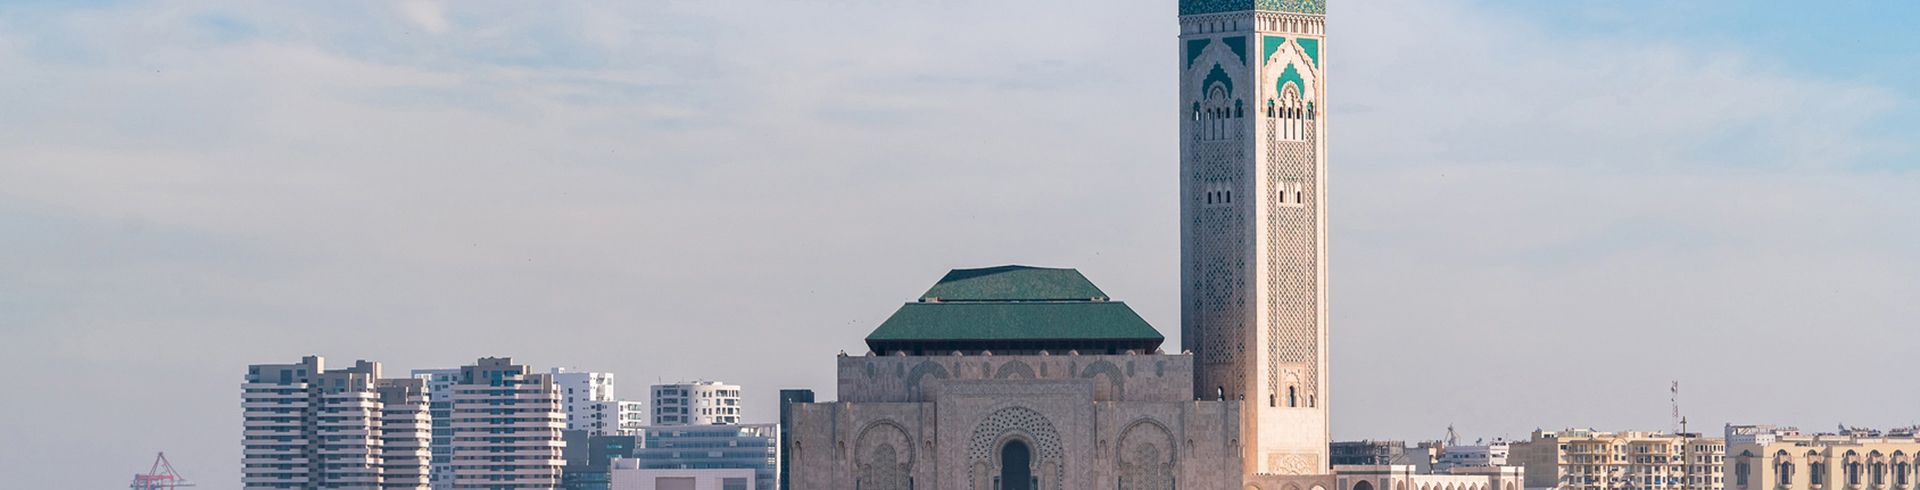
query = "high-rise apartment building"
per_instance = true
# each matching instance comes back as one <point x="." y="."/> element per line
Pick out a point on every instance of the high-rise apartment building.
<point x="307" y="427"/>
<point x="440" y="410"/>
<point x="696" y="403"/>
<point x="406" y="433"/>
<point x="507" y="422"/>
<point x="1584" y="459"/>
<point x="1253" y="225"/>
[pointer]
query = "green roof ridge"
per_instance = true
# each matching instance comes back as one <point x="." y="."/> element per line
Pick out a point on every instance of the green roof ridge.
<point x="1015" y="303"/>
<point x="1014" y="283"/>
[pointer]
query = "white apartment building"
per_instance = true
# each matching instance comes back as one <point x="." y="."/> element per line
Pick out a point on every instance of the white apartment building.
<point x="587" y="398"/>
<point x="310" y="428"/>
<point x="1584" y="459"/>
<point x="696" y="403"/>
<point x="506" y="427"/>
<point x="633" y="416"/>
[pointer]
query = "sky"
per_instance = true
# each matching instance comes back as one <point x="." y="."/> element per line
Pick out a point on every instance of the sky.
<point x="1543" y="213"/>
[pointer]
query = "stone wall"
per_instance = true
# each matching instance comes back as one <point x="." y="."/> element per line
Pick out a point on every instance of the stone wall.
<point x="1092" y="423"/>
<point x="1147" y="377"/>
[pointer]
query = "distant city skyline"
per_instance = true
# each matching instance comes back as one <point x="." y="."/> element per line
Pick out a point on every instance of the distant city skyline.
<point x="1548" y="211"/>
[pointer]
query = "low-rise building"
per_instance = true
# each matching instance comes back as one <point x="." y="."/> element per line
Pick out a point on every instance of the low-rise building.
<point x="1383" y="453"/>
<point x="1474" y="456"/>
<point x="1405" y="477"/>
<point x="1827" y="461"/>
<point x="1585" y="459"/>
<point x="628" y="475"/>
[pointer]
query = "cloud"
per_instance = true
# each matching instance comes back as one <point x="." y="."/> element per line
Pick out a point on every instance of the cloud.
<point x="428" y="15"/>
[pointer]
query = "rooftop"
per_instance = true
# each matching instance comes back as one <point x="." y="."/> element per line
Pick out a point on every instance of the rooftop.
<point x="1014" y="309"/>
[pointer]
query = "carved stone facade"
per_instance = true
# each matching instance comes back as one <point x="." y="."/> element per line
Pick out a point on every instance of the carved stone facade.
<point x="1253" y="206"/>
<point x="1084" y="422"/>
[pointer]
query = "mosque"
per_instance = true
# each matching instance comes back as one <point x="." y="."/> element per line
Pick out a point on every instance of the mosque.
<point x="1028" y="378"/>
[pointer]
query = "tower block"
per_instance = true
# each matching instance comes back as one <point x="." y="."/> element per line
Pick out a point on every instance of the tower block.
<point x="1253" y="220"/>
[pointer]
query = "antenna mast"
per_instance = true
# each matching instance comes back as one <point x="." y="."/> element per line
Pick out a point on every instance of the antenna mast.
<point x="1679" y="422"/>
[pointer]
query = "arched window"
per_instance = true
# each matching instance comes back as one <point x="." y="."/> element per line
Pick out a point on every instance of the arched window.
<point x="1740" y="472"/>
<point x="1816" y="472"/>
<point x="1293" y="398"/>
<point x="1784" y="468"/>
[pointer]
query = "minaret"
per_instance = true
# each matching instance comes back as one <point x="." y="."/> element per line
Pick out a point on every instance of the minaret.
<point x="1253" y="222"/>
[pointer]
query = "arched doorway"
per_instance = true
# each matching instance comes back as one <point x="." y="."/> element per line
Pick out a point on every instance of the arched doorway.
<point x="1016" y="466"/>
<point x="1363" y="485"/>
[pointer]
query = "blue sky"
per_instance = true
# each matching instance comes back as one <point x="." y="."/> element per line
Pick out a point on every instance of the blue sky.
<point x="1543" y="212"/>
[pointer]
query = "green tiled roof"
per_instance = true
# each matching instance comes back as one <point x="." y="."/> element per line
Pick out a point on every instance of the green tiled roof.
<point x="1013" y="283"/>
<point x="1014" y="305"/>
<point x="1065" y="320"/>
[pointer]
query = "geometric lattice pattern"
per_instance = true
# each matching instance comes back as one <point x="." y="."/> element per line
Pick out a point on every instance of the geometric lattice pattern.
<point x="1017" y="421"/>
<point x="1293" y="265"/>
<point x="1216" y="170"/>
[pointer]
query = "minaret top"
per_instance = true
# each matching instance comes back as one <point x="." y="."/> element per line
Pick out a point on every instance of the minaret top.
<point x="1197" y="7"/>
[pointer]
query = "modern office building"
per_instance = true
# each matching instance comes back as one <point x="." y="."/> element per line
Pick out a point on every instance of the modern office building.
<point x="308" y="427"/>
<point x="1857" y="460"/>
<point x="787" y="399"/>
<point x="590" y="459"/>
<point x="696" y="403"/>
<point x="1585" y="459"/>
<point x="628" y="475"/>
<point x="753" y="447"/>
<point x="507" y="423"/>
<point x="440" y="410"/>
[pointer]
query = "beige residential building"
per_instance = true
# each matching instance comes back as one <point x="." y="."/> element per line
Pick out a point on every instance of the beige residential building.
<point x="506" y="427"/>
<point x="1824" y="462"/>
<point x="306" y="427"/>
<point x="1584" y="459"/>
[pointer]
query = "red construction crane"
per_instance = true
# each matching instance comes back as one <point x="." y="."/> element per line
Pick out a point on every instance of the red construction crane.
<point x="161" y="477"/>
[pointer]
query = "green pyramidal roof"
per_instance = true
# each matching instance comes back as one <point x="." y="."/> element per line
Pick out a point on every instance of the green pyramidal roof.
<point x="1014" y="283"/>
<point x="1014" y="309"/>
